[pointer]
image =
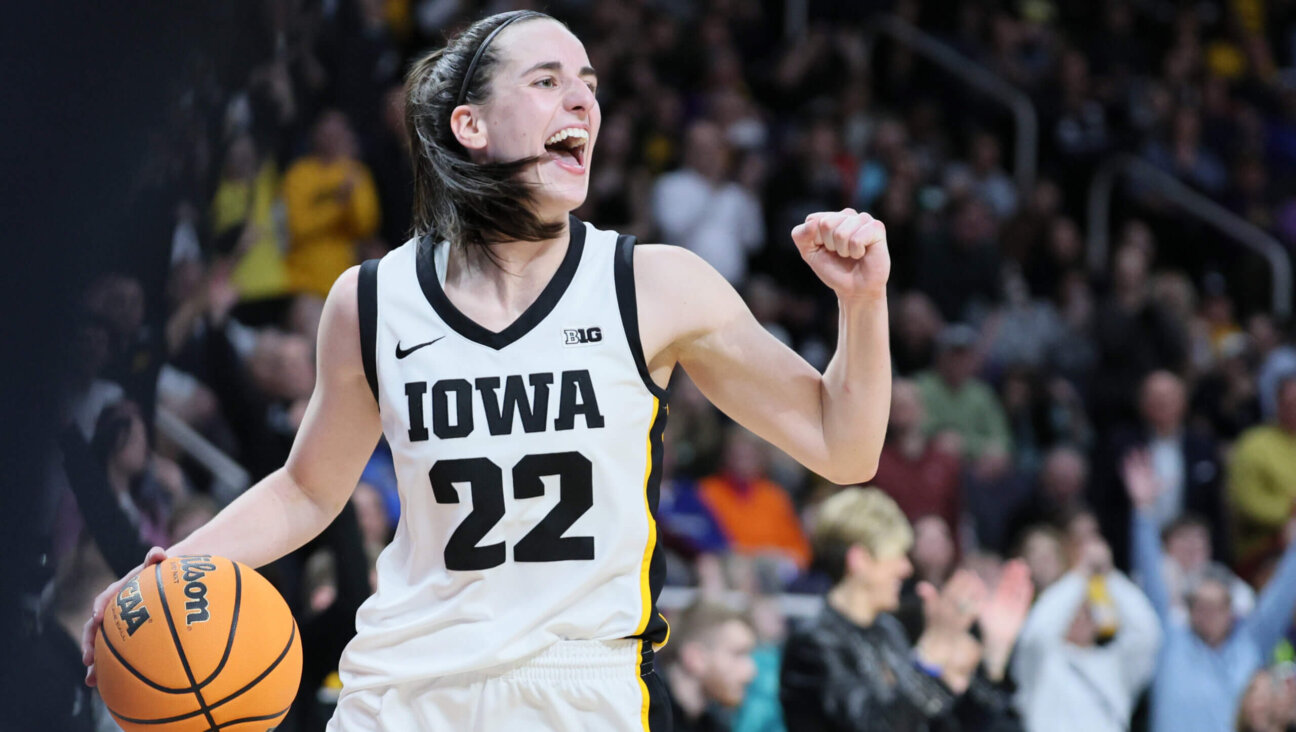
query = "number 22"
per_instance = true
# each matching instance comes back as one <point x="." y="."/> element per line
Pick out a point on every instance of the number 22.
<point x="544" y="543"/>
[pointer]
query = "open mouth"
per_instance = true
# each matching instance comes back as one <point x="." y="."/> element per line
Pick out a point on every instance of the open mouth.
<point x="567" y="148"/>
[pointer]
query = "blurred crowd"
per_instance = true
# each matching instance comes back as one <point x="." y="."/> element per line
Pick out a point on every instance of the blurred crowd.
<point x="1088" y="485"/>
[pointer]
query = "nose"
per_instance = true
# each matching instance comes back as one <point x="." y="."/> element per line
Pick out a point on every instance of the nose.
<point x="579" y="97"/>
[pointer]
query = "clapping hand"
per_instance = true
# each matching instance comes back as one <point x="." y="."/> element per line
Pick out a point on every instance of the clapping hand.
<point x="1003" y="616"/>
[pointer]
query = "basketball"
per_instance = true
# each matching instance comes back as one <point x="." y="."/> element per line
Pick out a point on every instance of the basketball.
<point x="198" y="643"/>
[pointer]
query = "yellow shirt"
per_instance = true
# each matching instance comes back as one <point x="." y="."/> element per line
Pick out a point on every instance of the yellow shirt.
<point x="324" y="223"/>
<point x="1262" y="486"/>
<point x="260" y="271"/>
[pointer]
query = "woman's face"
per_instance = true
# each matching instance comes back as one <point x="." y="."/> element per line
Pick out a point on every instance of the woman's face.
<point x="543" y="89"/>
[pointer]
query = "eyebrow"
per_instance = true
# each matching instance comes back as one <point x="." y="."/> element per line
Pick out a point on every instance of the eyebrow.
<point x="557" y="66"/>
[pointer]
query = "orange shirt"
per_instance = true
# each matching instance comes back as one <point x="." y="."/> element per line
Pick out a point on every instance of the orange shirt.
<point x="758" y="518"/>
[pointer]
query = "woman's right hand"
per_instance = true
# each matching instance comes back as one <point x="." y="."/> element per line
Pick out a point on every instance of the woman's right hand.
<point x="154" y="556"/>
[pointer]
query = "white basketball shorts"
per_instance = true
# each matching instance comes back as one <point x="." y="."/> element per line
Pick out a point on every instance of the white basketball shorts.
<point x="599" y="686"/>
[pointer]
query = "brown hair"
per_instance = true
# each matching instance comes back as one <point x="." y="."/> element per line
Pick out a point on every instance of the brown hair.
<point x="455" y="198"/>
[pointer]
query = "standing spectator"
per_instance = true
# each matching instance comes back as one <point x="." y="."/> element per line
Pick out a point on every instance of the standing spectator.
<point x="852" y="668"/>
<point x="1135" y="335"/>
<point x="708" y="666"/>
<point x="701" y="210"/>
<point x="1068" y="679"/>
<point x="755" y="513"/>
<point x="958" y="402"/>
<point x="1186" y="462"/>
<point x="1187" y="545"/>
<point x="332" y="207"/>
<point x="243" y="222"/>
<point x="919" y="477"/>
<point x="1262" y="481"/>
<point x="1205" y="666"/>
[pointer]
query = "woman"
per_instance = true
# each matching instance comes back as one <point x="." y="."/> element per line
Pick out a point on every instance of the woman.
<point x="488" y="597"/>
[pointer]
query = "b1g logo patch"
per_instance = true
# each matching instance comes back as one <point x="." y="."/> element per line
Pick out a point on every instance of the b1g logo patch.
<point x="582" y="336"/>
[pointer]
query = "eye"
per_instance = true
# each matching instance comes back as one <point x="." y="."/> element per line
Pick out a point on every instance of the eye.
<point x="592" y="87"/>
<point x="547" y="82"/>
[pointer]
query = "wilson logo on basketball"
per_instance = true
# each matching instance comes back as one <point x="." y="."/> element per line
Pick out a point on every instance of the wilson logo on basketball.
<point x="131" y="606"/>
<point x="195" y="569"/>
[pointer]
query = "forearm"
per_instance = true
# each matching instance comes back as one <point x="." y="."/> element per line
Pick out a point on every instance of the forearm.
<point x="1147" y="563"/>
<point x="271" y="519"/>
<point x="856" y="390"/>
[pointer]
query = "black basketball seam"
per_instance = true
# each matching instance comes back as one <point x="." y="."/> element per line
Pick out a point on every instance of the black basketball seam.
<point x="263" y="717"/>
<point x="292" y="633"/>
<point x="229" y="644"/>
<point x="184" y="660"/>
<point x="273" y="665"/>
<point x="137" y="674"/>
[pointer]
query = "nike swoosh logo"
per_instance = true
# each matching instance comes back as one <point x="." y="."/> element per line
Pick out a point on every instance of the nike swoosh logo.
<point x="402" y="353"/>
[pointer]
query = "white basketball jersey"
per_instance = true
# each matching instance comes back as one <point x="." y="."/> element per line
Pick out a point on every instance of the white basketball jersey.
<point x="528" y="463"/>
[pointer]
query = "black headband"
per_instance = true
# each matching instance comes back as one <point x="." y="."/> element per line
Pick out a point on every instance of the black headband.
<point x="472" y="67"/>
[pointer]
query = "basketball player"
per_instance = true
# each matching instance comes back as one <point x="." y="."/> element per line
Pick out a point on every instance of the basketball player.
<point x="517" y="361"/>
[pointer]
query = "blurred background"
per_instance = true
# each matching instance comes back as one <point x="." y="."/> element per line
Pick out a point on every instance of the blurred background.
<point x="1091" y="210"/>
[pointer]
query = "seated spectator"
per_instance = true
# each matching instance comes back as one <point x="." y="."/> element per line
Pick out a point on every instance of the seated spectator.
<point x="1087" y="651"/>
<point x="921" y="478"/>
<point x="958" y="266"/>
<point x="1206" y="665"/>
<point x="1059" y="492"/>
<point x="1262" y="482"/>
<point x="915" y="326"/>
<point x="332" y="207"/>
<point x="707" y="666"/>
<point x="851" y="668"/>
<point x="756" y="514"/>
<point x="955" y="400"/>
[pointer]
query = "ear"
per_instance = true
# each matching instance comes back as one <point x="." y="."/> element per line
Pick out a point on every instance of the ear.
<point x="858" y="560"/>
<point x="693" y="658"/>
<point x="468" y="127"/>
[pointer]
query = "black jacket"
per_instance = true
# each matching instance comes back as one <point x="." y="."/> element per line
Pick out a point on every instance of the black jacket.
<point x="838" y="676"/>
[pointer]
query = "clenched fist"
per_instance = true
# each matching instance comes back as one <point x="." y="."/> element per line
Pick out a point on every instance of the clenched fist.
<point x="847" y="250"/>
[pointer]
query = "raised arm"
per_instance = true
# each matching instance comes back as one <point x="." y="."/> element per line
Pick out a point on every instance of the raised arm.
<point x="833" y="423"/>
<point x="1273" y="610"/>
<point x="296" y="502"/>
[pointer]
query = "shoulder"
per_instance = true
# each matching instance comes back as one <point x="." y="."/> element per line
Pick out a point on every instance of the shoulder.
<point x="678" y="287"/>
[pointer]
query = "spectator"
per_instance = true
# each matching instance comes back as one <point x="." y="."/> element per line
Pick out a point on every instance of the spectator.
<point x="921" y="478"/>
<point x="913" y="334"/>
<point x="958" y="402"/>
<point x="984" y="177"/>
<point x="1205" y="666"/>
<point x="1262" y="481"/>
<point x="1072" y="672"/>
<point x="1277" y="357"/>
<point x="959" y="263"/>
<point x="1186" y="462"/>
<point x="756" y="514"/>
<point x="1041" y="548"/>
<point x="243" y="223"/>
<point x="1059" y="493"/>
<point x="851" y="668"/>
<point x="698" y="208"/>
<point x="332" y="207"/>
<point x="708" y="666"/>
<point x="1187" y="546"/>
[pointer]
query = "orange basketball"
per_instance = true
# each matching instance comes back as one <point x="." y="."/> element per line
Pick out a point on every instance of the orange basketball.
<point x="198" y="643"/>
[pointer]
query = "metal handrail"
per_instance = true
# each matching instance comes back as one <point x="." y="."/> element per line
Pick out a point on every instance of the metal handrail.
<point x="1025" y="119"/>
<point x="1191" y="203"/>
<point x="231" y="478"/>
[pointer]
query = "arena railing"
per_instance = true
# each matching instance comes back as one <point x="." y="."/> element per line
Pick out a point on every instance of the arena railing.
<point x="1025" y="118"/>
<point x="230" y="477"/>
<point x="1188" y="202"/>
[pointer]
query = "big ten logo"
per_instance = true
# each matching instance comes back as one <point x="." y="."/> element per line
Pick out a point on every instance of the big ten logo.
<point x="194" y="569"/>
<point x="131" y="606"/>
<point x="582" y="336"/>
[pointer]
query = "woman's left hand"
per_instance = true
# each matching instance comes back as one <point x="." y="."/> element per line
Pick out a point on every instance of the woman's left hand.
<point x="847" y="250"/>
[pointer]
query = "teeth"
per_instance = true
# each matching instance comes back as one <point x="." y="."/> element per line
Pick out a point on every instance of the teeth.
<point x="561" y="135"/>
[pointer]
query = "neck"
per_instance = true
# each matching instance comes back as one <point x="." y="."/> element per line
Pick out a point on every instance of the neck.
<point x="852" y="602"/>
<point x="686" y="692"/>
<point x="519" y="271"/>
